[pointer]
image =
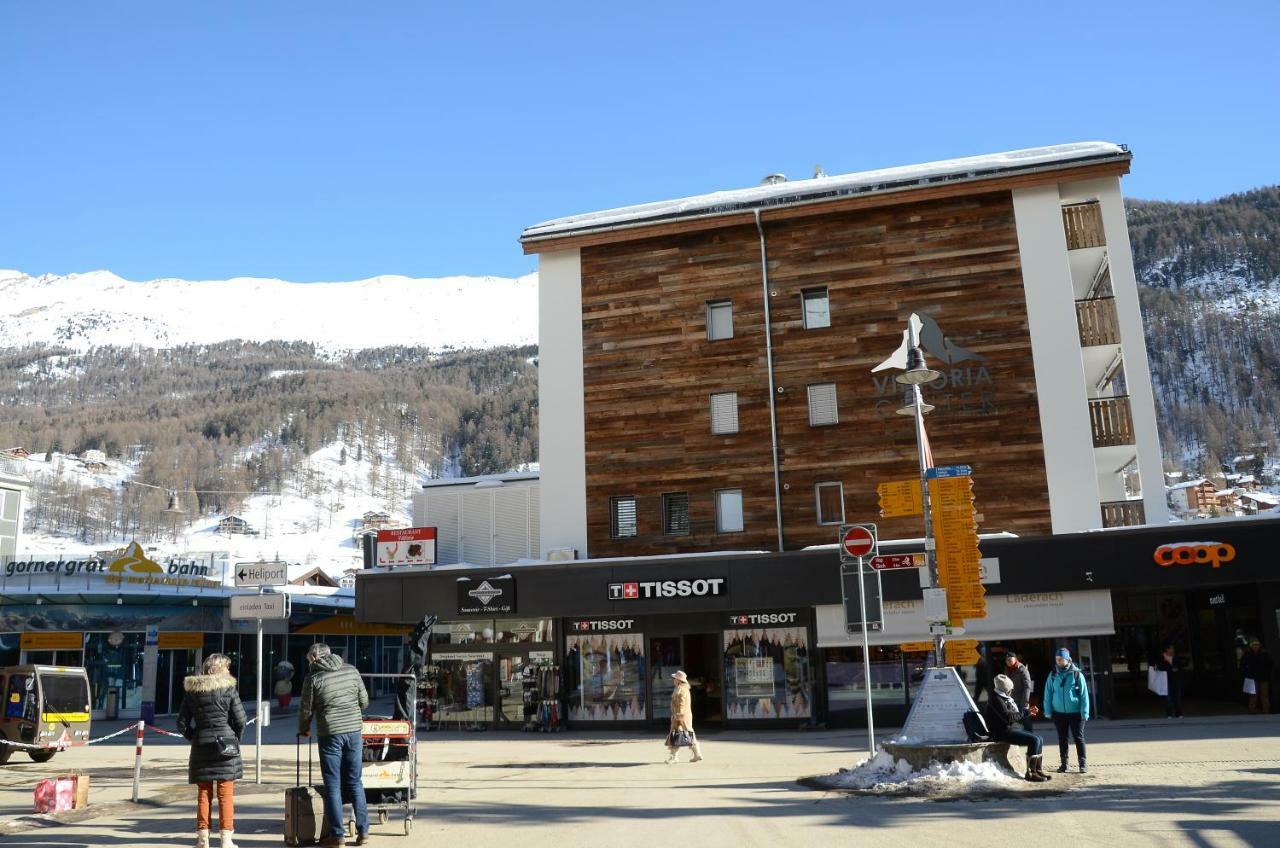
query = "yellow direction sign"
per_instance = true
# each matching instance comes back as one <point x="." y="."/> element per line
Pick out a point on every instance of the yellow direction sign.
<point x="962" y="656"/>
<point x="900" y="497"/>
<point x="916" y="647"/>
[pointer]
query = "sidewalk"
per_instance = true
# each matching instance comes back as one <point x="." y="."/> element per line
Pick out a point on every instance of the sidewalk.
<point x="1210" y="781"/>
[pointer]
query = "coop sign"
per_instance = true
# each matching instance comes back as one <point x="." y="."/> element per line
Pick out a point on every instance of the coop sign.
<point x="1195" y="553"/>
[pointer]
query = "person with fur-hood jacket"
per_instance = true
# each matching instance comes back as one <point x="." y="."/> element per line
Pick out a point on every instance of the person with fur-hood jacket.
<point x="212" y="718"/>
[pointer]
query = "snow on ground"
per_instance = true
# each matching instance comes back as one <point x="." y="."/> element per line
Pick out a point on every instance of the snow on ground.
<point x="886" y="772"/>
<point x="310" y="523"/>
<point x="98" y="308"/>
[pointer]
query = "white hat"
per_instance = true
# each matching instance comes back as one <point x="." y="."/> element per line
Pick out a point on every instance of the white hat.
<point x="1003" y="684"/>
<point x="681" y="676"/>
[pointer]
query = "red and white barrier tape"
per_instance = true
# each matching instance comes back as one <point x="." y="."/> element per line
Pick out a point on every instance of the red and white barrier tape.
<point x="77" y="743"/>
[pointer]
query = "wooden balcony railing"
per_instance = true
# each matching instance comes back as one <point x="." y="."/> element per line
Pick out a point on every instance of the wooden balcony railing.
<point x="1097" y="321"/>
<point x="1112" y="421"/>
<point x="1123" y="514"/>
<point x="1083" y="223"/>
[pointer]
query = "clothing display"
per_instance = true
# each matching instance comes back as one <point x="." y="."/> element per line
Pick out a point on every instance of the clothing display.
<point x="541" y="693"/>
<point x="606" y="676"/>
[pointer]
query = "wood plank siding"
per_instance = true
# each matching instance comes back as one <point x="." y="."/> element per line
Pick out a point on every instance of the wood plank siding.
<point x="649" y="371"/>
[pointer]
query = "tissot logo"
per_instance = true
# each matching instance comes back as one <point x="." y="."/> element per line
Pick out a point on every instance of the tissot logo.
<point x="485" y="593"/>
<point x="1195" y="553"/>
<point x="608" y="624"/>
<point x="666" y="589"/>
<point x="764" y="618"/>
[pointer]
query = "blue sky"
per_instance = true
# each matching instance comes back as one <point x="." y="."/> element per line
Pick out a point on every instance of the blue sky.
<point x="328" y="141"/>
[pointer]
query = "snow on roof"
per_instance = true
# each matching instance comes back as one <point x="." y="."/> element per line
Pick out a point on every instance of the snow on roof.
<point x="794" y="192"/>
<point x="1262" y="497"/>
<point x="1199" y="482"/>
<point x="508" y="477"/>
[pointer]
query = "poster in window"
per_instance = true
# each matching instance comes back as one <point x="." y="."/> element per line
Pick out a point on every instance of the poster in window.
<point x="605" y="676"/>
<point x="769" y="667"/>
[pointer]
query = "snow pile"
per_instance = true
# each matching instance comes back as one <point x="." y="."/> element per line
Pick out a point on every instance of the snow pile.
<point x="94" y="309"/>
<point x="886" y="772"/>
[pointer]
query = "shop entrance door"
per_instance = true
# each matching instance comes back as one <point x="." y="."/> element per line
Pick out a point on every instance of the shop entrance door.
<point x="666" y="657"/>
<point x="172" y="668"/>
<point x="702" y="661"/>
<point x="511" y="689"/>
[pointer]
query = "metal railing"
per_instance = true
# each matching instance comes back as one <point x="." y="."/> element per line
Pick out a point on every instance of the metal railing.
<point x="1097" y="321"/>
<point x="1112" y="421"/>
<point x="1083" y="223"/>
<point x="1123" y="514"/>
<point x="13" y="467"/>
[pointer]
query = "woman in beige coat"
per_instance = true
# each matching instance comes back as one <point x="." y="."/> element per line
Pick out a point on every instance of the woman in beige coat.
<point x="681" y="717"/>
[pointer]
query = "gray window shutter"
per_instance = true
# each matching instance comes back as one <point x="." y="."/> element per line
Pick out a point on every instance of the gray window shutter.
<point x="724" y="413"/>
<point x="822" y="405"/>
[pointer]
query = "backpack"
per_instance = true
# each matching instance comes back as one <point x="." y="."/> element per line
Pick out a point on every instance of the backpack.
<point x="975" y="726"/>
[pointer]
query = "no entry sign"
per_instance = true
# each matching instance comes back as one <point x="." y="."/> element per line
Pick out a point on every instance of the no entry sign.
<point x="857" y="541"/>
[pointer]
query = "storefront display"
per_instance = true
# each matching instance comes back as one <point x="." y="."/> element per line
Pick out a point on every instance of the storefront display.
<point x="766" y="673"/>
<point x="605" y="673"/>
<point x="465" y="687"/>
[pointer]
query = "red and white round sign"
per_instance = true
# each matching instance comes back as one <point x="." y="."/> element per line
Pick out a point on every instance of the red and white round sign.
<point x="858" y="542"/>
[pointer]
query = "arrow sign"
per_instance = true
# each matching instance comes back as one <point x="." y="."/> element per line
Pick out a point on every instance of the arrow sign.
<point x="262" y="574"/>
<point x="944" y="471"/>
<point x="892" y="561"/>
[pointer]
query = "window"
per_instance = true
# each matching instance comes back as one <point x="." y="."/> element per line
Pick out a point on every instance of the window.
<point x="622" y="517"/>
<point x="817" y="308"/>
<point x="830" y="503"/>
<point x="822" y="405"/>
<point x="729" y="511"/>
<point x="719" y="320"/>
<point x="724" y="413"/>
<point x="675" y="513"/>
<point x="767" y="674"/>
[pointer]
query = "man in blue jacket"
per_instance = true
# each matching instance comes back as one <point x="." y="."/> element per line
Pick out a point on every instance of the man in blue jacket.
<point x="1066" y="701"/>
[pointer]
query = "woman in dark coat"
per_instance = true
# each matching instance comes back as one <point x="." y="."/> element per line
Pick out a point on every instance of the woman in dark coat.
<point x="1001" y="714"/>
<point x="212" y="719"/>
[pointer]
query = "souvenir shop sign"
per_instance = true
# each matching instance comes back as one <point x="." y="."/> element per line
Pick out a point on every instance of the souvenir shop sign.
<point x="487" y="596"/>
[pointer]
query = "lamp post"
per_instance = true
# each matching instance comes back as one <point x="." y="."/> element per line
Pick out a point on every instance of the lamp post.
<point x="917" y="373"/>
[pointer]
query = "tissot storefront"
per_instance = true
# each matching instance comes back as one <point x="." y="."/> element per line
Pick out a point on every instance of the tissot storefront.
<point x="762" y="636"/>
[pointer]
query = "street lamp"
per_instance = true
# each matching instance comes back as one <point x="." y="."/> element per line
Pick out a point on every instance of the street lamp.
<point x="916" y="374"/>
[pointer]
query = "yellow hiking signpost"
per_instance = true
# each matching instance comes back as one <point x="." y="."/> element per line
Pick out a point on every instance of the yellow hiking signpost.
<point x="899" y="498"/>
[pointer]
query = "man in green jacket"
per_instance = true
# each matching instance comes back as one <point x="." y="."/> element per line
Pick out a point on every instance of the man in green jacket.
<point x="335" y="695"/>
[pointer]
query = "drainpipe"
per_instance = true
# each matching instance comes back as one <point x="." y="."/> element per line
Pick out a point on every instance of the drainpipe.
<point x="768" y="354"/>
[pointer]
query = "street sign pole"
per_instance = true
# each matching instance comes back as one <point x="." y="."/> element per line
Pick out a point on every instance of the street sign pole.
<point x="866" y="661"/>
<point x="930" y="554"/>
<point x="257" y="747"/>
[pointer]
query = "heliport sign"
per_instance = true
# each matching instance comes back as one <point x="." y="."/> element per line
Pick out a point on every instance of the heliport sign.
<point x="648" y="590"/>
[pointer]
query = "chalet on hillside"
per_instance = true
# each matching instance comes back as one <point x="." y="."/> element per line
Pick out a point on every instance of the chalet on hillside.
<point x="1194" y="496"/>
<point x="96" y="467"/>
<point x="315" y="577"/>
<point x="16" y="453"/>
<point x="377" y="520"/>
<point x="93" y="456"/>
<point x="1256" y="502"/>
<point x="348" y="578"/>
<point x="234" y="525"/>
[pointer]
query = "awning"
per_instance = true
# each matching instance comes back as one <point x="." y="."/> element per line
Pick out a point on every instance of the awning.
<point x="1036" y="615"/>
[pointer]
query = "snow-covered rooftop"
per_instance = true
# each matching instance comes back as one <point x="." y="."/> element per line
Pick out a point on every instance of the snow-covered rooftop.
<point x="794" y="192"/>
<point x="1187" y="485"/>
<point x="509" y="477"/>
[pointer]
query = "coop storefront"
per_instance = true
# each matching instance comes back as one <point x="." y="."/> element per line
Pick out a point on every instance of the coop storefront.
<point x="609" y="637"/>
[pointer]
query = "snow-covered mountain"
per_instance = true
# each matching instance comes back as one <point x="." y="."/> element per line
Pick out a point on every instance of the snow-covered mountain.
<point x="95" y="309"/>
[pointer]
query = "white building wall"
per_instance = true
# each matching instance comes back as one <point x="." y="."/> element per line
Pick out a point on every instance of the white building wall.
<point x="561" y="423"/>
<point x="1137" y="370"/>
<point x="1074" y="504"/>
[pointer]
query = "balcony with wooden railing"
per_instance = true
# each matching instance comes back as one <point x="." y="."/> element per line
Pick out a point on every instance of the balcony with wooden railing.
<point x="1097" y="321"/>
<point x="1112" y="421"/>
<point x="1123" y="514"/>
<point x="1083" y="223"/>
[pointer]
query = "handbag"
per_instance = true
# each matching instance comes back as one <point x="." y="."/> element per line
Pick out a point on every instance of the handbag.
<point x="680" y="739"/>
<point x="227" y="747"/>
<point x="1250" y="686"/>
<point x="1158" y="681"/>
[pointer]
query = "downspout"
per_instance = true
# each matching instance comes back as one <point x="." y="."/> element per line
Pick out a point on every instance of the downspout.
<point x="768" y="355"/>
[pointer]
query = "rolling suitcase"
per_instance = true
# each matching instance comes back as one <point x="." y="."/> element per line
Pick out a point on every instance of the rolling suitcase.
<point x="303" y="808"/>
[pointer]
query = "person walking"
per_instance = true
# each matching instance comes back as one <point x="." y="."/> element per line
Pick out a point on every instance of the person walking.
<point x="1256" y="666"/>
<point x="211" y="718"/>
<point x="1066" y="701"/>
<point x="981" y="677"/>
<point x="335" y="695"/>
<point x="682" y="718"/>
<point x="1023" y="687"/>
<point x="1001" y="714"/>
<point x="1171" y="664"/>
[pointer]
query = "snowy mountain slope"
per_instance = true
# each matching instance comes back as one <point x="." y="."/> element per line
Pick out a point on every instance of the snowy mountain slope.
<point x="84" y="311"/>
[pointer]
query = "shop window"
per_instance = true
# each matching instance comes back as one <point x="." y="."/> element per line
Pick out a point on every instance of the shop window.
<point x="724" y="413"/>
<point x="675" y="513"/>
<point x="729" y="511"/>
<point x="114" y="663"/>
<point x="846" y="681"/>
<point x="477" y="632"/>
<point x="817" y="308"/>
<point x="464" y="687"/>
<point x="604" y="676"/>
<point x="766" y="674"/>
<point x="823" y="411"/>
<point x="10" y="649"/>
<point x="830" y="502"/>
<point x="719" y="320"/>
<point x="523" y="630"/>
<point x="622" y="517"/>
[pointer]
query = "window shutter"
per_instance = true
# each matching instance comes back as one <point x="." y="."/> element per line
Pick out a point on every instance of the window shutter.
<point x="729" y="511"/>
<point x="724" y="413"/>
<point x="822" y="405"/>
<point x="623" y="519"/>
<point x="817" y="309"/>
<point x="830" y="503"/>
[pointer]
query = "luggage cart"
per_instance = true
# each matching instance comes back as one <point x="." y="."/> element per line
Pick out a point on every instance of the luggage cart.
<point x="393" y="746"/>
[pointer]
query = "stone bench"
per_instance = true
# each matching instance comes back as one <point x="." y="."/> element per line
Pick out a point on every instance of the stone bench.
<point x="919" y="756"/>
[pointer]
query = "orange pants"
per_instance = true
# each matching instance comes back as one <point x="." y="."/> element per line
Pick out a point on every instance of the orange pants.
<point x="226" y="804"/>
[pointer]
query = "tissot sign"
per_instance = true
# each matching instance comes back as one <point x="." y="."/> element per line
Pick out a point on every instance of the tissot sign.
<point x="650" y="589"/>
<point x="487" y="596"/>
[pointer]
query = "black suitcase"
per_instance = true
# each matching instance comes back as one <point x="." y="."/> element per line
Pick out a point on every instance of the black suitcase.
<point x="303" y="807"/>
